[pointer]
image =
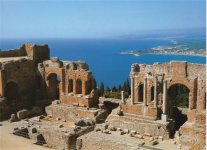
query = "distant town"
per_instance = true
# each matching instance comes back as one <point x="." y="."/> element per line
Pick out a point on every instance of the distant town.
<point x="172" y="50"/>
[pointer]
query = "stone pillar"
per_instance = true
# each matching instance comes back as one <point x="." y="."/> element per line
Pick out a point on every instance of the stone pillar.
<point x="83" y="87"/>
<point x="74" y="86"/>
<point x="145" y="92"/>
<point x="67" y="86"/>
<point x="164" y="104"/>
<point x="61" y="87"/>
<point x="132" y="90"/>
<point x="122" y="97"/>
<point x="2" y="83"/>
<point x="155" y="93"/>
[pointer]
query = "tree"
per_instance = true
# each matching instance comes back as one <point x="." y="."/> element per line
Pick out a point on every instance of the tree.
<point x="128" y="88"/>
<point x="101" y="90"/>
<point x="119" y="88"/>
<point x="114" y="89"/>
<point x="108" y="89"/>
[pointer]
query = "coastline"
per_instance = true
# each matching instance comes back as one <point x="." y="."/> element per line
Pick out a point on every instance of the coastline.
<point x="136" y="55"/>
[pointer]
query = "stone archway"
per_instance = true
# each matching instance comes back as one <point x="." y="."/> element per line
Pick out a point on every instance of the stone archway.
<point x="11" y="92"/>
<point x="78" y="86"/>
<point x="178" y="103"/>
<point x="152" y="93"/>
<point x="140" y="92"/>
<point x="70" y="85"/>
<point x="53" y="86"/>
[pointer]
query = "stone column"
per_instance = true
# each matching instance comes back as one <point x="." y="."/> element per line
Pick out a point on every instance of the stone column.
<point x="83" y="87"/>
<point x="122" y="97"/>
<point x="155" y="93"/>
<point x="145" y="92"/>
<point x="74" y="86"/>
<point x="132" y="90"/>
<point x="164" y="104"/>
<point x="2" y="83"/>
<point x="61" y="87"/>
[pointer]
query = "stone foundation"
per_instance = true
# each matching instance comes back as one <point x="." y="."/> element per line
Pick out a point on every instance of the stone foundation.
<point x="142" y="111"/>
<point x="72" y="113"/>
<point x="79" y="100"/>
<point x="141" y="125"/>
<point x="101" y="141"/>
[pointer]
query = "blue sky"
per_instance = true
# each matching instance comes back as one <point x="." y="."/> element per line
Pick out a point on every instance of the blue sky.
<point x="96" y="18"/>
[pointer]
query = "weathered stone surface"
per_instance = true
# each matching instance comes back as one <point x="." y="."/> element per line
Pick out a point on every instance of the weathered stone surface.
<point x="154" y="142"/>
<point x="83" y="123"/>
<point x="112" y="128"/>
<point x="101" y="141"/>
<point x="36" y="111"/>
<point x="141" y="125"/>
<point x="13" y="118"/>
<point x="106" y="131"/>
<point x="140" y="136"/>
<point x="126" y="131"/>
<point x="22" y="114"/>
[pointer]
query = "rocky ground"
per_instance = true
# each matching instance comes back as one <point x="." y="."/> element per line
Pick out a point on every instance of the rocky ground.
<point x="9" y="141"/>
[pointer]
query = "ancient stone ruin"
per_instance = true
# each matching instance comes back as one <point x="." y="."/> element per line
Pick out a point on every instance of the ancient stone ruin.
<point x="52" y="99"/>
<point x="153" y="107"/>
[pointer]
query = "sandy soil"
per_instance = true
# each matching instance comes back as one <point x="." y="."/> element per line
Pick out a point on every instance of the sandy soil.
<point x="9" y="141"/>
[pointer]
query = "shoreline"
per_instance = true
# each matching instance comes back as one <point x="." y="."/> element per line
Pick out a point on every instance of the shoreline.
<point x="136" y="55"/>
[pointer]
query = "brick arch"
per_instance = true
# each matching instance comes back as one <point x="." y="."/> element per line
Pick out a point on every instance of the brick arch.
<point x="185" y="82"/>
<point x="60" y="73"/>
<point x="140" y="90"/>
<point x="79" y="86"/>
<point x="54" y="72"/>
<point x="11" y="91"/>
<point x="190" y="86"/>
<point x="70" y="85"/>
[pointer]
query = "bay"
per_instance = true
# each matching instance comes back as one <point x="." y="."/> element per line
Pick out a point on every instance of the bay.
<point x="102" y="55"/>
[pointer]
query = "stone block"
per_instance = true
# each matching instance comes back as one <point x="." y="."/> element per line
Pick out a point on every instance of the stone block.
<point x="154" y="142"/>
<point x="22" y="114"/>
<point x="164" y="117"/>
<point x="13" y="118"/>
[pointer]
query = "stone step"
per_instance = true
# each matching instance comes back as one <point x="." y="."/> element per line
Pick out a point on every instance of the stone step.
<point x="140" y="117"/>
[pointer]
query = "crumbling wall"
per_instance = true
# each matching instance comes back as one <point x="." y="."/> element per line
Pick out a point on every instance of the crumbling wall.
<point x="13" y="53"/>
<point x="38" y="53"/>
<point x="20" y="74"/>
<point x="19" y="80"/>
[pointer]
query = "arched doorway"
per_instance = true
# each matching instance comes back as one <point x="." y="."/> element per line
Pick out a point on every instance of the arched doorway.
<point x="88" y="86"/>
<point x="178" y="103"/>
<point x="140" y="92"/>
<point x="53" y="86"/>
<point x="11" y="92"/>
<point x="70" y="86"/>
<point x="152" y="93"/>
<point x="78" y="86"/>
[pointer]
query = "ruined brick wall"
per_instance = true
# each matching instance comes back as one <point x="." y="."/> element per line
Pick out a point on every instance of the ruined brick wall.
<point x="38" y="53"/>
<point x="75" y="82"/>
<point x="22" y="73"/>
<point x="190" y="75"/>
<point x="19" y="82"/>
<point x="13" y="53"/>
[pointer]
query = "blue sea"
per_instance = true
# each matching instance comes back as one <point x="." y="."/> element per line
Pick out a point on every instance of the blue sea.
<point x="102" y="55"/>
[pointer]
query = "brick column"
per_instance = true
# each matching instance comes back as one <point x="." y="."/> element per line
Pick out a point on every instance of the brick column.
<point x="155" y="93"/>
<point x="122" y="97"/>
<point x="74" y="86"/>
<point x="145" y="92"/>
<point x="2" y="83"/>
<point x="132" y="91"/>
<point x="83" y="87"/>
<point x="164" y="104"/>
